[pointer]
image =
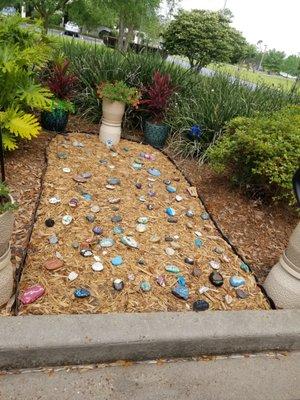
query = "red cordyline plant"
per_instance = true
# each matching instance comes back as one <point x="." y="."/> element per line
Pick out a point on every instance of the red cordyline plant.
<point x="61" y="82"/>
<point x="157" y="96"/>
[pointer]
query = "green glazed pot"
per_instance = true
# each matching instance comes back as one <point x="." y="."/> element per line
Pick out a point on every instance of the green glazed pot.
<point x="156" y="134"/>
<point x="55" y="120"/>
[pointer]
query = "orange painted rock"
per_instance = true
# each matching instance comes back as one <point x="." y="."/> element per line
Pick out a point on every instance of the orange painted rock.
<point x="53" y="264"/>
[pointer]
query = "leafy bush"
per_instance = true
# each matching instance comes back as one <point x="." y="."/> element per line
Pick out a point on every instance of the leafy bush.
<point x="261" y="153"/>
<point x="118" y="91"/>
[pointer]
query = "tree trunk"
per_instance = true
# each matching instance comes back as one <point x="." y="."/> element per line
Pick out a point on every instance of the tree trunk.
<point x="121" y="33"/>
<point x="128" y="38"/>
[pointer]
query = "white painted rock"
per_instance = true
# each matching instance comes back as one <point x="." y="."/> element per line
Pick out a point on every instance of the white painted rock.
<point x="97" y="266"/>
<point x="72" y="276"/>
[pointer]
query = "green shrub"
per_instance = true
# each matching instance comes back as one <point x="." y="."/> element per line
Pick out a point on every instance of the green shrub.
<point x="261" y="153"/>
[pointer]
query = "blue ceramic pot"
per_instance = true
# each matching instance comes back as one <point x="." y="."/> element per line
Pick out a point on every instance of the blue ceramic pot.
<point x="55" y="120"/>
<point x="156" y="134"/>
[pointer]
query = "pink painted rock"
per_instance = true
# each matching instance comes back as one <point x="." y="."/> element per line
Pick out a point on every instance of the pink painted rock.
<point x="79" y="179"/>
<point x="53" y="264"/>
<point x="32" y="293"/>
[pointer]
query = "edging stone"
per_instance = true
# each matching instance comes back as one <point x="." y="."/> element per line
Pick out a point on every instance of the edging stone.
<point x="36" y="341"/>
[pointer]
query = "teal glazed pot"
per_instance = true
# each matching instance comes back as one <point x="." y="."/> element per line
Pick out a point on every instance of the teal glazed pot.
<point x="156" y="134"/>
<point x="55" y="120"/>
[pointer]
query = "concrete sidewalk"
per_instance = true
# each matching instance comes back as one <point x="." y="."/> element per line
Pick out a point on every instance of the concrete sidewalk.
<point x="257" y="377"/>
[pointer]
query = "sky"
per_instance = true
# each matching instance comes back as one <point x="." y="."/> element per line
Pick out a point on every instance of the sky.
<point x="275" y="22"/>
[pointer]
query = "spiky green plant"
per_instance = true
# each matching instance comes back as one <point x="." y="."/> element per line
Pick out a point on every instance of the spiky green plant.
<point x="23" y="52"/>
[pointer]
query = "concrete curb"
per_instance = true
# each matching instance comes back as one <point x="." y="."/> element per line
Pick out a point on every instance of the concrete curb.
<point x="35" y="341"/>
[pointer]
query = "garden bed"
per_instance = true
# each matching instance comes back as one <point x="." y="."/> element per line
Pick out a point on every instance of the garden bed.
<point x="143" y="264"/>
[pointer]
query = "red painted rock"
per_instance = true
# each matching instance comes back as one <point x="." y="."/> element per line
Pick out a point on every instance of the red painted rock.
<point x="32" y="293"/>
<point x="53" y="264"/>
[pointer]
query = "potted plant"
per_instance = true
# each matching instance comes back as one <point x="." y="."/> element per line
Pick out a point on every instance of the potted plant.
<point x="62" y="84"/>
<point x="115" y="96"/>
<point x="157" y="98"/>
<point x="7" y="206"/>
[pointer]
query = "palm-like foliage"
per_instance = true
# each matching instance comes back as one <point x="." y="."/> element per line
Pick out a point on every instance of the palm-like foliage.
<point x="23" y="52"/>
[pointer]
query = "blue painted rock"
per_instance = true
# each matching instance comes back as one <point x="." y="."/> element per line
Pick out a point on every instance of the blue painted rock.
<point x="49" y="222"/>
<point x="116" y="218"/>
<point x="118" y="284"/>
<point x="129" y="241"/>
<point x="200" y="305"/>
<point x="182" y="292"/>
<point x="118" y="230"/>
<point x="198" y="242"/>
<point x="80" y="293"/>
<point x="98" y="230"/>
<point x="181" y="280"/>
<point x="205" y="216"/>
<point x="236" y="281"/>
<point x="216" y="279"/>
<point x="244" y="267"/>
<point x="117" y="261"/>
<point x="172" y="268"/>
<point x="171" y="189"/>
<point x="87" y="196"/>
<point x="170" y="211"/>
<point x="113" y="181"/>
<point x="190" y="213"/>
<point x="145" y="286"/>
<point x="154" y="172"/>
<point x="106" y="242"/>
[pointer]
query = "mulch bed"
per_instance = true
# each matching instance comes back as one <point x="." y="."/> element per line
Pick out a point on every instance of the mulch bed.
<point x="145" y="263"/>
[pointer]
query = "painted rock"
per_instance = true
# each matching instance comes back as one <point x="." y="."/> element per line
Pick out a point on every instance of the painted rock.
<point x="181" y="280"/>
<point x="72" y="276"/>
<point x="150" y="207"/>
<point x="54" y="200"/>
<point x="244" y="267"/>
<point x="203" y="289"/>
<point x="236" y="281"/>
<point x="87" y="196"/>
<point x="142" y="199"/>
<point x="53" y="239"/>
<point x="117" y="230"/>
<point x="182" y="292"/>
<point x="196" y="272"/>
<point x="161" y="280"/>
<point x="58" y="255"/>
<point x="169" y="238"/>
<point x="151" y="193"/>
<point x="79" y="179"/>
<point x="53" y="264"/>
<point x="95" y="209"/>
<point x="97" y="258"/>
<point x="172" y="220"/>
<point x="110" y="187"/>
<point x="31" y="294"/>
<point x="49" y="222"/>
<point x="90" y="218"/>
<point x="241" y="294"/>
<point x="86" y="175"/>
<point x="86" y="252"/>
<point x="97" y="266"/>
<point x="198" y="242"/>
<point x="142" y="220"/>
<point x="61" y="155"/>
<point x="178" y="198"/>
<point x="214" y="264"/>
<point x="172" y="268"/>
<point x="205" y="216"/>
<point x="106" y="242"/>
<point x="170" y="211"/>
<point x="154" y="172"/>
<point x="138" y="185"/>
<point x="131" y="277"/>
<point x="189" y="260"/>
<point x="76" y="143"/>
<point x="67" y="219"/>
<point x="145" y="286"/>
<point x="98" y="230"/>
<point x="73" y="202"/>
<point x="228" y="299"/>
<point x="154" y="239"/>
<point x="141" y="228"/>
<point x="103" y="162"/>
<point x="66" y="170"/>
<point x="116" y="218"/>
<point x="189" y="225"/>
<point x="216" y="279"/>
<point x="113" y="181"/>
<point x="141" y="261"/>
<point x="167" y="182"/>
<point x="170" y="251"/>
<point x="190" y="213"/>
<point x="114" y="200"/>
<point x="129" y="241"/>
<point x="200" y="305"/>
<point x="171" y="189"/>
<point x="117" y="261"/>
<point x="81" y="293"/>
<point x="75" y="245"/>
<point x="136" y="166"/>
<point x="218" y="250"/>
<point x="118" y="284"/>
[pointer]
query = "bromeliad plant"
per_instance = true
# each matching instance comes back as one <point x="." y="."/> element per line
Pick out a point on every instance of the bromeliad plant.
<point x="23" y="52"/>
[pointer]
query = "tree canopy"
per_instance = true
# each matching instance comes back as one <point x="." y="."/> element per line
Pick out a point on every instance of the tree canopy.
<point x="273" y="60"/>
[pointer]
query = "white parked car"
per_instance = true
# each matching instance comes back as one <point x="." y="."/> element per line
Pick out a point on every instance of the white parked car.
<point x="72" y="29"/>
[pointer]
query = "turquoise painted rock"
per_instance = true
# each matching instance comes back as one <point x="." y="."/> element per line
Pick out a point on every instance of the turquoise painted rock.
<point x="87" y="196"/>
<point x="236" y="281"/>
<point x="81" y="293"/>
<point x="198" y="242"/>
<point x="171" y="189"/>
<point x="129" y="242"/>
<point x="145" y="286"/>
<point x="136" y="166"/>
<point x="181" y="280"/>
<point x="118" y="230"/>
<point x="154" y="172"/>
<point x="106" y="242"/>
<point x="117" y="261"/>
<point x="172" y="268"/>
<point x="200" y="305"/>
<point x="170" y="211"/>
<point x="182" y="292"/>
<point x="244" y="267"/>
